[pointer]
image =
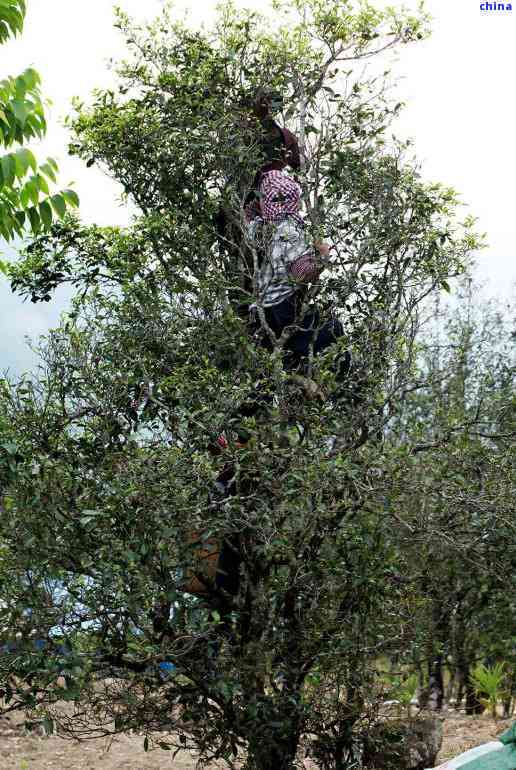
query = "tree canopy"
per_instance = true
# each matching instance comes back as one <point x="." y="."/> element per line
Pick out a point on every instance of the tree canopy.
<point x="110" y="455"/>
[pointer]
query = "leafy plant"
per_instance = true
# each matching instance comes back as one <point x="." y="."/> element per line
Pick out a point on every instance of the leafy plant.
<point x="404" y="691"/>
<point x="12" y="13"/>
<point x="489" y="683"/>
<point x="26" y="198"/>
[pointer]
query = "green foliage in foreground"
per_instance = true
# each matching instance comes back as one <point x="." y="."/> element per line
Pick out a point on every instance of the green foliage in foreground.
<point x="26" y="199"/>
<point x="12" y="14"/>
<point x="341" y="509"/>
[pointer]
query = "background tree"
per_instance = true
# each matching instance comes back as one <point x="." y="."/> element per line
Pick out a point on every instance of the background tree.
<point x="107" y="470"/>
<point x="460" y="410"/>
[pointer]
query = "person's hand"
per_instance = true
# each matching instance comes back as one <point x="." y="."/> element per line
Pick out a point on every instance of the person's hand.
<point x="323" y="249"/>
<point x="262" y="107"/>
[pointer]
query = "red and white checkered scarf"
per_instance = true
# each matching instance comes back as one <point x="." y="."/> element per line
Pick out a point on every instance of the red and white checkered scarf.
<point x="280" y="197"/>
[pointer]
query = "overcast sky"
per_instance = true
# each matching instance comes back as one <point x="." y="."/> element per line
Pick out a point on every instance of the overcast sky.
<point x="458" y="86"/>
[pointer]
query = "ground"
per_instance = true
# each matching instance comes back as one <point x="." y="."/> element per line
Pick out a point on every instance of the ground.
<point x="29" y="752"/>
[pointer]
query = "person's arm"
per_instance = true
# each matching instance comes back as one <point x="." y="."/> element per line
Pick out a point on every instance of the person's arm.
<point x="292" y="154"/>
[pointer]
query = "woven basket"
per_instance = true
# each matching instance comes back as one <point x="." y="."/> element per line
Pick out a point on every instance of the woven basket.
<point x="201" y="576"/>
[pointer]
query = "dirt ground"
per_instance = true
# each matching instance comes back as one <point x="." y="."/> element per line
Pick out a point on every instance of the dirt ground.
<point x="19" y="751"/>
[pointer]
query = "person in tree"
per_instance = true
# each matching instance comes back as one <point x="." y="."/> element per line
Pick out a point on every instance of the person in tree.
<point x="287" y="262"/>
<point x="278" y="149"/>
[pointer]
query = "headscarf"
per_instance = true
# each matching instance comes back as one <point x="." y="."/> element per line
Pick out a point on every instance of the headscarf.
<point x="280" y="197"/>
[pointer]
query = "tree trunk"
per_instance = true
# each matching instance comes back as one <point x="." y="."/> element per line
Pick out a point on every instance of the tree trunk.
<point x="273" y="742"/>
<point x="421" y="691"/>
<point x="472" y="704"/>
<point x="462" y="665"/>
<point x="436" y="657"/>
<point x="274" y="757"/>
<point x="355" y="707"/>
<point x="435" y="682"/>
<point x="273" y="751"/>
<point x="343" y="749"/>
<point x="451" y="690"/>
<point x="508" y="707"/>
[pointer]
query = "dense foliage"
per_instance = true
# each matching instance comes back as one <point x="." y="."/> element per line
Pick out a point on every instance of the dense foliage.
<point x="26" y="201"/>
<point x="463" y="500"/>
<point x="340" y="506"/>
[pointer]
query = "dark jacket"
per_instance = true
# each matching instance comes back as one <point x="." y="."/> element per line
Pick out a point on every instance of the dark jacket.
<point x="278" y="154"/>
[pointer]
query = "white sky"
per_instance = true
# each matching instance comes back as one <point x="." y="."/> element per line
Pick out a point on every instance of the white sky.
<point x="458" y="86"/>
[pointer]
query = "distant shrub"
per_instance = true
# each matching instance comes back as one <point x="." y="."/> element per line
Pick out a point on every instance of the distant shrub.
<point x="489" y="683"/>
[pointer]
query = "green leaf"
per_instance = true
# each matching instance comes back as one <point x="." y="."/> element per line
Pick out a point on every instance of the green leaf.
<point x="6" y="228"/>
<point x="32" y="190"/>
<point x="8" y="165"/>
<point x="20" y="217"/>
<point x="59" y="205"/>
<point x="45" y="211"/>
<point x="24" y="196"/>
<point x="31" y="78"/>
<point x="71" y="197"/>
<point x="35" y="221"/>
<point x="11" y="19"/>
<point x="4" y="31"/>
<point x="30" y="157"/>
<point x="53" y="163"/>
<point x="146" y="744"/>
<point x="21" y="167"/>
<point x="42" y="184"/>
<point x="46" y="168"/>
<point x="19" y="108"/>
<point x="23" y="162"/>
<point x="21" y="86"/>
<point x="88" y="516"/>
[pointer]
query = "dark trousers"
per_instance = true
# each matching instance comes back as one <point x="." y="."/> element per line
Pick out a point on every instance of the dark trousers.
<point x="308" y="332"/>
